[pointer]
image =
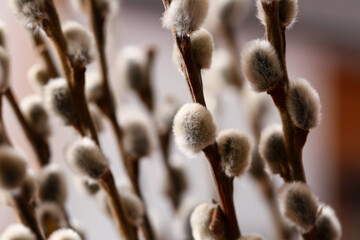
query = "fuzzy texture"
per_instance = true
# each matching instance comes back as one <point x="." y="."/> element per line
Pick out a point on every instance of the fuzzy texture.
<point x="261" y="65"/>
<point x="328" y="226"/>
<point x="223" y="70"/>
<point x="30" y="12"/>
<point x="136" y="139"/>
<point x="165" y="114"/>
<point x="135" y="208"/>
<point x="29" y="187"/>
<point x="4" y="70"/>
<point x="64" y="234"/>
<point x="193" y="128"/>
<point x="260" y="10"/>
<point x="232" y="11"/>
<point x="53" y="211"/>
<point x="12" y="167"/>
<point x="272" y="147"/>
<point x="185" y="16"/>
<point x="34" y="111"/>
<point x="80" y="43"/>
<point x="38" y="76"/>
<point x="131" y="63"/>
<point x="3" y="34"/>
<point x="202" y="46"/>
<point x="57" y="100"/>
<point x="288" y="10"/>
<point x="17" y="232"/>
<point x="304" y="104"/>
<point x="200" y="220"/>
<point x="86" y="158"/>
<point x="86" y="186"/>
<point x="234" y="149"/>
<point x="252" y="236"/>
<point x="52" y="184"/>
<point x="299" y="205"/>
<point x="96" y="116"/>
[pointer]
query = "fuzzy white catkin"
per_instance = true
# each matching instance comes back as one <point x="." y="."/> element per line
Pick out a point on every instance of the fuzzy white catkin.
<point x="54" y="211"/>
<point x="223" y="71"/>
<point x="304" y="104"/>
<point x="3" y="34"/>
<point x="288" y="10"/>
<point x="261" y="65"/>
<point x="64" y="234"/>
<point x="34" y="111"/>
<point x="29" y="187"/>
<point x="31" y="12"/>
<point x="193" y="128"/>
<point x="272" y="147"/>
<point x="86" y="158"/>
<point x="135" y="208"/>
<point x="131" y="63"/>
<point x="252" y="236"/>
<point x="80" y="43"/>
<point x="234" y="149"/>
<point x="136" y="139"/>
<point x="86" y="186"/>
<point x="232" y="11"/>
<point x="38" y="76"/>
<point x="200" y="220"/>
<point x="202" y="47"/>
<point x="17" y="232"/>
<point x="328" y="226"/>
<point x="52" y="185"/>
<point x="299" y="205"/>
<point x="185" y="16"/>
<point x="4" y="70"/>
<point x="12" y="167"/>
<point x="57" y="100"/>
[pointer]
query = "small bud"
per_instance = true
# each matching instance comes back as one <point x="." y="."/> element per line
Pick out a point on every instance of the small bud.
<point x="31" y="12"/>
<point x="193" y="128"/>
<point x="185" y="16"/>
<point x="38" y="76"/>
<point x="64" y="234"/>
<point x="2" y="35"/>
<point x="165" y="114"/>
<point x="12" y="167"/>
<point x="87" y="186"/>
<point x="260" y="10"/>
<point x="252" y="236"/>
<point x="29" y="187"/>
<point x="261" y="65"/>
<point x="328" y="226"/>
<point x="36" y="115"/>
<point x="202" y="47"/>
<point x="234" y="149"/>
<point x="57" y="100"/>
<point x="200" y="221"/>
<point x="4" y="70"/>
<point x="288" y="10"/>
<point x="50" y="215"/>
<point x="17" y="232"/>
<point x="80" y="44"/>
<point x="272" y="147"/>
<point x="232" y="11"/>
<point x="137" y="142"/>
<point x="96" y="117"/>
<point x="52" y="184"/>
<point x="131" y="63"/>
<point x="135" y="208"/>
<point x="304" y="104"/>
<point x="299" y="205"/>
<point x="86" y="158"/>
<point x="93" y="86"/>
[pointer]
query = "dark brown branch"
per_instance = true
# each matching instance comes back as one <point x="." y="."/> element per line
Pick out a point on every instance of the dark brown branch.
<point x="38" y="143"/>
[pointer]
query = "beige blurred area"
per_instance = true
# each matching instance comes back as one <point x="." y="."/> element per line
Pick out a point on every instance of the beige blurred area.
<point x="322" y="47"/>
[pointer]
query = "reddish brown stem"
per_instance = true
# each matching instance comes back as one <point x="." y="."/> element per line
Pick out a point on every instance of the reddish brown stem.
<point x="38" y="143"/>
<point x="127" y="230"/>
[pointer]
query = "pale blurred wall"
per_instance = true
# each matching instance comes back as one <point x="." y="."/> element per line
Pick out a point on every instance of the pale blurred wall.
<point x="140" y="24"/>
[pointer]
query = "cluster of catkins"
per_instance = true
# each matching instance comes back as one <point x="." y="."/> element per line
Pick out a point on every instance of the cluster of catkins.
<point x="83" y="101"/>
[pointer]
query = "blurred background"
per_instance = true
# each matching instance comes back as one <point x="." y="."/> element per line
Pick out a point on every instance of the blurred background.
<point x="323" y="47"/>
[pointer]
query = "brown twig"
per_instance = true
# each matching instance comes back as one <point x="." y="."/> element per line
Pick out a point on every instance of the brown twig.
<point x="39" y="144"/>
<point x="27" y="215"/>
<point x="127" y="230"/>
